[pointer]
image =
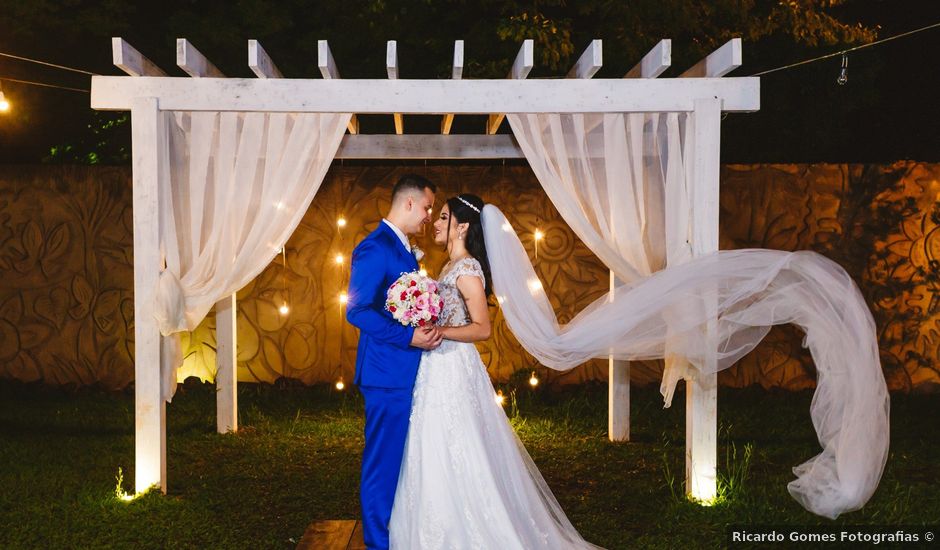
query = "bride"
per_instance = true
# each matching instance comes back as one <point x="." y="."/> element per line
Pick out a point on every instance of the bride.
<point x="466" y="480"/>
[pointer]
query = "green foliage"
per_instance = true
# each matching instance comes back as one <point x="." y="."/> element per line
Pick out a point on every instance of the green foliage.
<point x="107" y="142"/>
<point x="425" y="31"/>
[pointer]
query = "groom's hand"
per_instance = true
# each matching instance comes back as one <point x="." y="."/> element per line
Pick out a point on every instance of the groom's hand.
<point x="426" y="338"/>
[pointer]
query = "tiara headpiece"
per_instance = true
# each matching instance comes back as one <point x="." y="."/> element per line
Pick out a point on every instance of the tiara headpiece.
<point x="474" y="208"/>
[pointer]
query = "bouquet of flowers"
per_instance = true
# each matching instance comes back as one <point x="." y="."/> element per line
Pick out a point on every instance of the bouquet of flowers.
<point x="413" y="300"/>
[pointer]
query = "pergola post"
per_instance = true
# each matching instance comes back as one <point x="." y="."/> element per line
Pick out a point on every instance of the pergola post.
<point x="701" y="401"/>
<point x="226" y="360"/>
<point x="149" y="407"/>
<point x="618" y="372"/>
<point x="618" y="391"/>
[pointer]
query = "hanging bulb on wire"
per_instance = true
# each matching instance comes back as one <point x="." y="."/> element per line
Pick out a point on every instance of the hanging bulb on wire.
<point x="844" y="71"/>
<point x="4" y="104"/>
<point x="538" y="236"/>
<point x="284" y="309"/>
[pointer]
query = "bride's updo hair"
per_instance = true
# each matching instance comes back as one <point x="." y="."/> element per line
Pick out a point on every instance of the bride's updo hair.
<point x="473" y="241"/>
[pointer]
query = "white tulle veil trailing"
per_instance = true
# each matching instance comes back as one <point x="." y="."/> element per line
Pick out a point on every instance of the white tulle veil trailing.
<point x="754" y="289"/>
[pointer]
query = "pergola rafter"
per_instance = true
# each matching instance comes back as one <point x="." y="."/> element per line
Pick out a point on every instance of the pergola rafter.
<point x="700" y="91"/>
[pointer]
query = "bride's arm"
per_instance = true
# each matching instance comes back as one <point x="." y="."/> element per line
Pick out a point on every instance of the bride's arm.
<point x="471" y="288"/>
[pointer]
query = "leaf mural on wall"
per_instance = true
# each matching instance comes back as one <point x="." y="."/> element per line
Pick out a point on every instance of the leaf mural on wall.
<point x="69" y="317"/>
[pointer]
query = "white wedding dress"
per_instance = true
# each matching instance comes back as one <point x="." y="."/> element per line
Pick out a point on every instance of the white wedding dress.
<point x="466" y="480"/>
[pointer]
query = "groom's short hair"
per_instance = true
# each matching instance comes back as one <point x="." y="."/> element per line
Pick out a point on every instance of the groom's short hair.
<point x="412" y="182"/>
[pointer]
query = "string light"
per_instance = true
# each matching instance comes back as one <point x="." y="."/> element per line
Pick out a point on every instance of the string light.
<point x="533" y="380"/>
<point x="844" y="72"/>
<point x="535" y="285"/>
<point x="500" y="399"/>
<point x="538" y="237"/>
<point x="340" y="385"/>
<point x="284" y="309"/>
<point x="343" y="298"/>
<point x="341" y="222"/>
<point x="842" y="52"/>
<point x="338" y="259"/>
<point x="4" y="104"/>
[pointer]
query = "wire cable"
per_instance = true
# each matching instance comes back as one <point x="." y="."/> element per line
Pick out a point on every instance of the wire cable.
<point x="38" y="62"/>
<point x="31" y="83"/>
<point x="842" y="52"/>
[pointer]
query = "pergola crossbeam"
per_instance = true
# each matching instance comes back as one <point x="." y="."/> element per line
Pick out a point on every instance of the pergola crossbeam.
<point x="456" y="74"/>
<point x="329" y="70"/>
<point x="590" y="61"/>
<point x="521" y="67"/>
<point x="366" y="96"/>
<point x="193" y="62"/>
<point x="260" y="62"/>
<point x="718" y="63"/>
<point x="653" y="63"/>
<point x="131" y="61"/>
<point x="429" y="146"/>
<point x="391" y="66"/>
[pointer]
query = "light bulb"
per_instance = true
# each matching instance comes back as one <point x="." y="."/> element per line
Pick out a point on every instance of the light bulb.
<point x="343" y="298"/>
<point x="539" y="235"/>
<point x="4" y="104"/>
<point x="844" y="71"/>
<point x="340" y="385"/>
<point x="341" y="222"/>
<point x="500" y="399"/>
<point x="284" y="309"/>
<point x="338" y="259"/>
<point x="533" y="381"/>
<point x="535" y="285"/>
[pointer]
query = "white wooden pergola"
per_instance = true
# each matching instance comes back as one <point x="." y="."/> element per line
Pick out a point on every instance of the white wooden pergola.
<point x="147" y="91"/>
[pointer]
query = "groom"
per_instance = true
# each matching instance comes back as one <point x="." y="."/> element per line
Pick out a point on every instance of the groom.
<point x="388" y="354"/>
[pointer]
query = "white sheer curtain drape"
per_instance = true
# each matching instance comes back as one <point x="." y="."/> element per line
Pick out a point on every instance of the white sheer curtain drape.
<point x="754" y="290"/>
<point x="610" y="175"/>
<point x="234" y="188"/>
<point x="619" y="181"/>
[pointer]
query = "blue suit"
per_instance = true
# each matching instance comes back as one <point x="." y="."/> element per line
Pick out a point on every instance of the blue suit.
<point x="386" y="368"/>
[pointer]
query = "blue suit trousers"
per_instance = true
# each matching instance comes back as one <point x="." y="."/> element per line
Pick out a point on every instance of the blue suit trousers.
<point x="387" y="414"/>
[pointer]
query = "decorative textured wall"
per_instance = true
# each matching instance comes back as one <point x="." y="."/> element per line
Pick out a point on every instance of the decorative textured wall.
<point x="66" y="299"/>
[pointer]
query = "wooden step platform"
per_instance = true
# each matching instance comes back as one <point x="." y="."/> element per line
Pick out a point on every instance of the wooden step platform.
<point x="333" y="534"/>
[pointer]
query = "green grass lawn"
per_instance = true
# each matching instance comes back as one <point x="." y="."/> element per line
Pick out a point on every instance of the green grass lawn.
<point x="296" y="460"/>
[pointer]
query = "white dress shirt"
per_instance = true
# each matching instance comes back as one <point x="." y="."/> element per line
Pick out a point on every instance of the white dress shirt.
<point x="401" y="235"/>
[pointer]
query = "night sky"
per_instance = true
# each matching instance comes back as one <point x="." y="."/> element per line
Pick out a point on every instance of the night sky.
<point x="887" y="110"/>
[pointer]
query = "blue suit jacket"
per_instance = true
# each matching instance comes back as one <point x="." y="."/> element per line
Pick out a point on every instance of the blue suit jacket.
<point x="385" y="357"/>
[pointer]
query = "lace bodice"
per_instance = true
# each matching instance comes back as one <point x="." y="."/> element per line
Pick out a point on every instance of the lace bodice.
<point x="455" y="312"/>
